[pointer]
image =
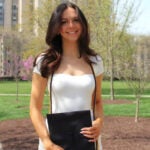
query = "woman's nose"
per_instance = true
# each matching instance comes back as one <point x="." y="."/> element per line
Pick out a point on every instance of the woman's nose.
<point x="70" y="24"/>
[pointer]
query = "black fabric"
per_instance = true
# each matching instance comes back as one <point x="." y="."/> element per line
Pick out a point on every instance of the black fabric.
<point x="65" y="129"/>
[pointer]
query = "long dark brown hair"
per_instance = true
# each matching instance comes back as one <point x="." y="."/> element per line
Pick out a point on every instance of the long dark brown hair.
<point x="52" y="56"/>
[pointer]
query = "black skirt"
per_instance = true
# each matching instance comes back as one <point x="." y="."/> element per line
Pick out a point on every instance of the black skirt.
<point x="65" y="129"/>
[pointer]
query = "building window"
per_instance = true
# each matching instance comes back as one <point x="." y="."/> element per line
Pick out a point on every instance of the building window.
<point x="1" y="12"/>
<point x="14" y="13"/>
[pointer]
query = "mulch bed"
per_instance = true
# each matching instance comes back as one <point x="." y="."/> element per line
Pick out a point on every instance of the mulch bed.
<point x="119" y="133"/>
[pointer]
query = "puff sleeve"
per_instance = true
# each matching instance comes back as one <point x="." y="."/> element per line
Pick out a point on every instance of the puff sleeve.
<point x="98" y="65"/>
<point x="37" y="67"/>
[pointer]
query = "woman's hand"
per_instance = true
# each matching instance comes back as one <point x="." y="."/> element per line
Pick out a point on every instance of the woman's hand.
<point x="51" y="146"/>
<point x="93" y="132"/>
<point x="54" y="147"/>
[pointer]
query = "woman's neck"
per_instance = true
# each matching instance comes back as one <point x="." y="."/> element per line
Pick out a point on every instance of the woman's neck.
<point x="70" y="50"/>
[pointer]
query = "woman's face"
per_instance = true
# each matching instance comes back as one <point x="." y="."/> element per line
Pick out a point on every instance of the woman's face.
<point x="71" y="28"/>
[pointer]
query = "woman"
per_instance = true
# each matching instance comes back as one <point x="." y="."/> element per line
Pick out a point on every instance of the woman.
<point x="69" y="58"/>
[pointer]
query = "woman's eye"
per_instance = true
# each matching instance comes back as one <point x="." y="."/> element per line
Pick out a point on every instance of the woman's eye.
<point x="76" y="20"/>
<point x="63" y="22"/>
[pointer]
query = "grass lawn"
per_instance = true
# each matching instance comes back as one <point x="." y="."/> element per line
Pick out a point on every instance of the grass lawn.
<point x="11" y="108"/>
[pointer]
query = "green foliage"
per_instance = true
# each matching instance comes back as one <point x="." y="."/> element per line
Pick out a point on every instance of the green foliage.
<point x="30" y="52"/>
<point x="13" y="41"/>
<point x="96" y="12"/>
<point x="35" y="27"/>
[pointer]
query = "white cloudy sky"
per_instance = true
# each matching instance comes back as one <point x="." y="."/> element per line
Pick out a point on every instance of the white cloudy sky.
<point x="142" y="24"/>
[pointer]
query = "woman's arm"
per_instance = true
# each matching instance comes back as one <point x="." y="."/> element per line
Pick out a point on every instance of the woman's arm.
<point x="99" y="105"/>
<point x="36" y="102"/>
<point x="98" y="122"/>
<point x="94" y="131"/>
<point x="37" y="95"/>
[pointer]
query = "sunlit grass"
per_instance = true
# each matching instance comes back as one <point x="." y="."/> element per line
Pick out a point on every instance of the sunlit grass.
<point x="12" y="108"/>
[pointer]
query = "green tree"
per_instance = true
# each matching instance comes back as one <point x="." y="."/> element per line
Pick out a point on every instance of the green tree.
<point x="109" y="20"/>
<point x="135" y="70"/>
<point x="36" y="25"/>
<point x="13" y="47"/>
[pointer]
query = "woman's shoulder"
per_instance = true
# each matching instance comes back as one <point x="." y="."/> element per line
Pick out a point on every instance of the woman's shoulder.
<point x="39" y="58"/>
<point x="97" y="64"/>
<point x="38" y="61"/>
<point x="96" y="59"/>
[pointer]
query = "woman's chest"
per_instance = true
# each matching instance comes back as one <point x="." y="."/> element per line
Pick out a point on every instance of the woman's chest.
<point x="65" y="82"/>
<point x="74" y="68"/>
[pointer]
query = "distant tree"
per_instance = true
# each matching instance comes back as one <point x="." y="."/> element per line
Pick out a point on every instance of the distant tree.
<point x="135" y="75"/>
<point x="13" y="66"/>
<point x="26" y="71"/>
<point x="143" y="43"/>
<point x="36" y="26"/>
<point x="13" y="47"/>
<point x="109" y="21"/>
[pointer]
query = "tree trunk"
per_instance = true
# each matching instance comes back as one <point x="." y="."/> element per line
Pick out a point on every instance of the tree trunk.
<point x="137" y="110"/>
<point x="17" y="89"/>
<point x="112" y="76"/>
<point x="112" y="87"/>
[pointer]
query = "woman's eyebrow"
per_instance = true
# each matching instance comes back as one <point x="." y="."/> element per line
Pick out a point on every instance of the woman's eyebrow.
<point x="76" y="17"/>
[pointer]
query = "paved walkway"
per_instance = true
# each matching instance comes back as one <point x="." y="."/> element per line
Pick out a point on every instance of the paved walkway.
<point x="1" y="94"/>
<point x="1" y="147"/>
<point x="146" y="96"/>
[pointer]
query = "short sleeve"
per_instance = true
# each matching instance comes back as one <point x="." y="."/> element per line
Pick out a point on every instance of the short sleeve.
<point x="37" y="67"/>
<point x="98" y="65"/>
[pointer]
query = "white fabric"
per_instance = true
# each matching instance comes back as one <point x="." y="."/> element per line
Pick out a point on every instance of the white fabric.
<point x="72" y="93"/>
<point x="98" y="67"/>
<point x="75" y="92"/>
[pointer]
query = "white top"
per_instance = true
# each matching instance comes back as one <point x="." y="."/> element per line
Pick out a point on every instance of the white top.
<point x="72" y="93"/>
